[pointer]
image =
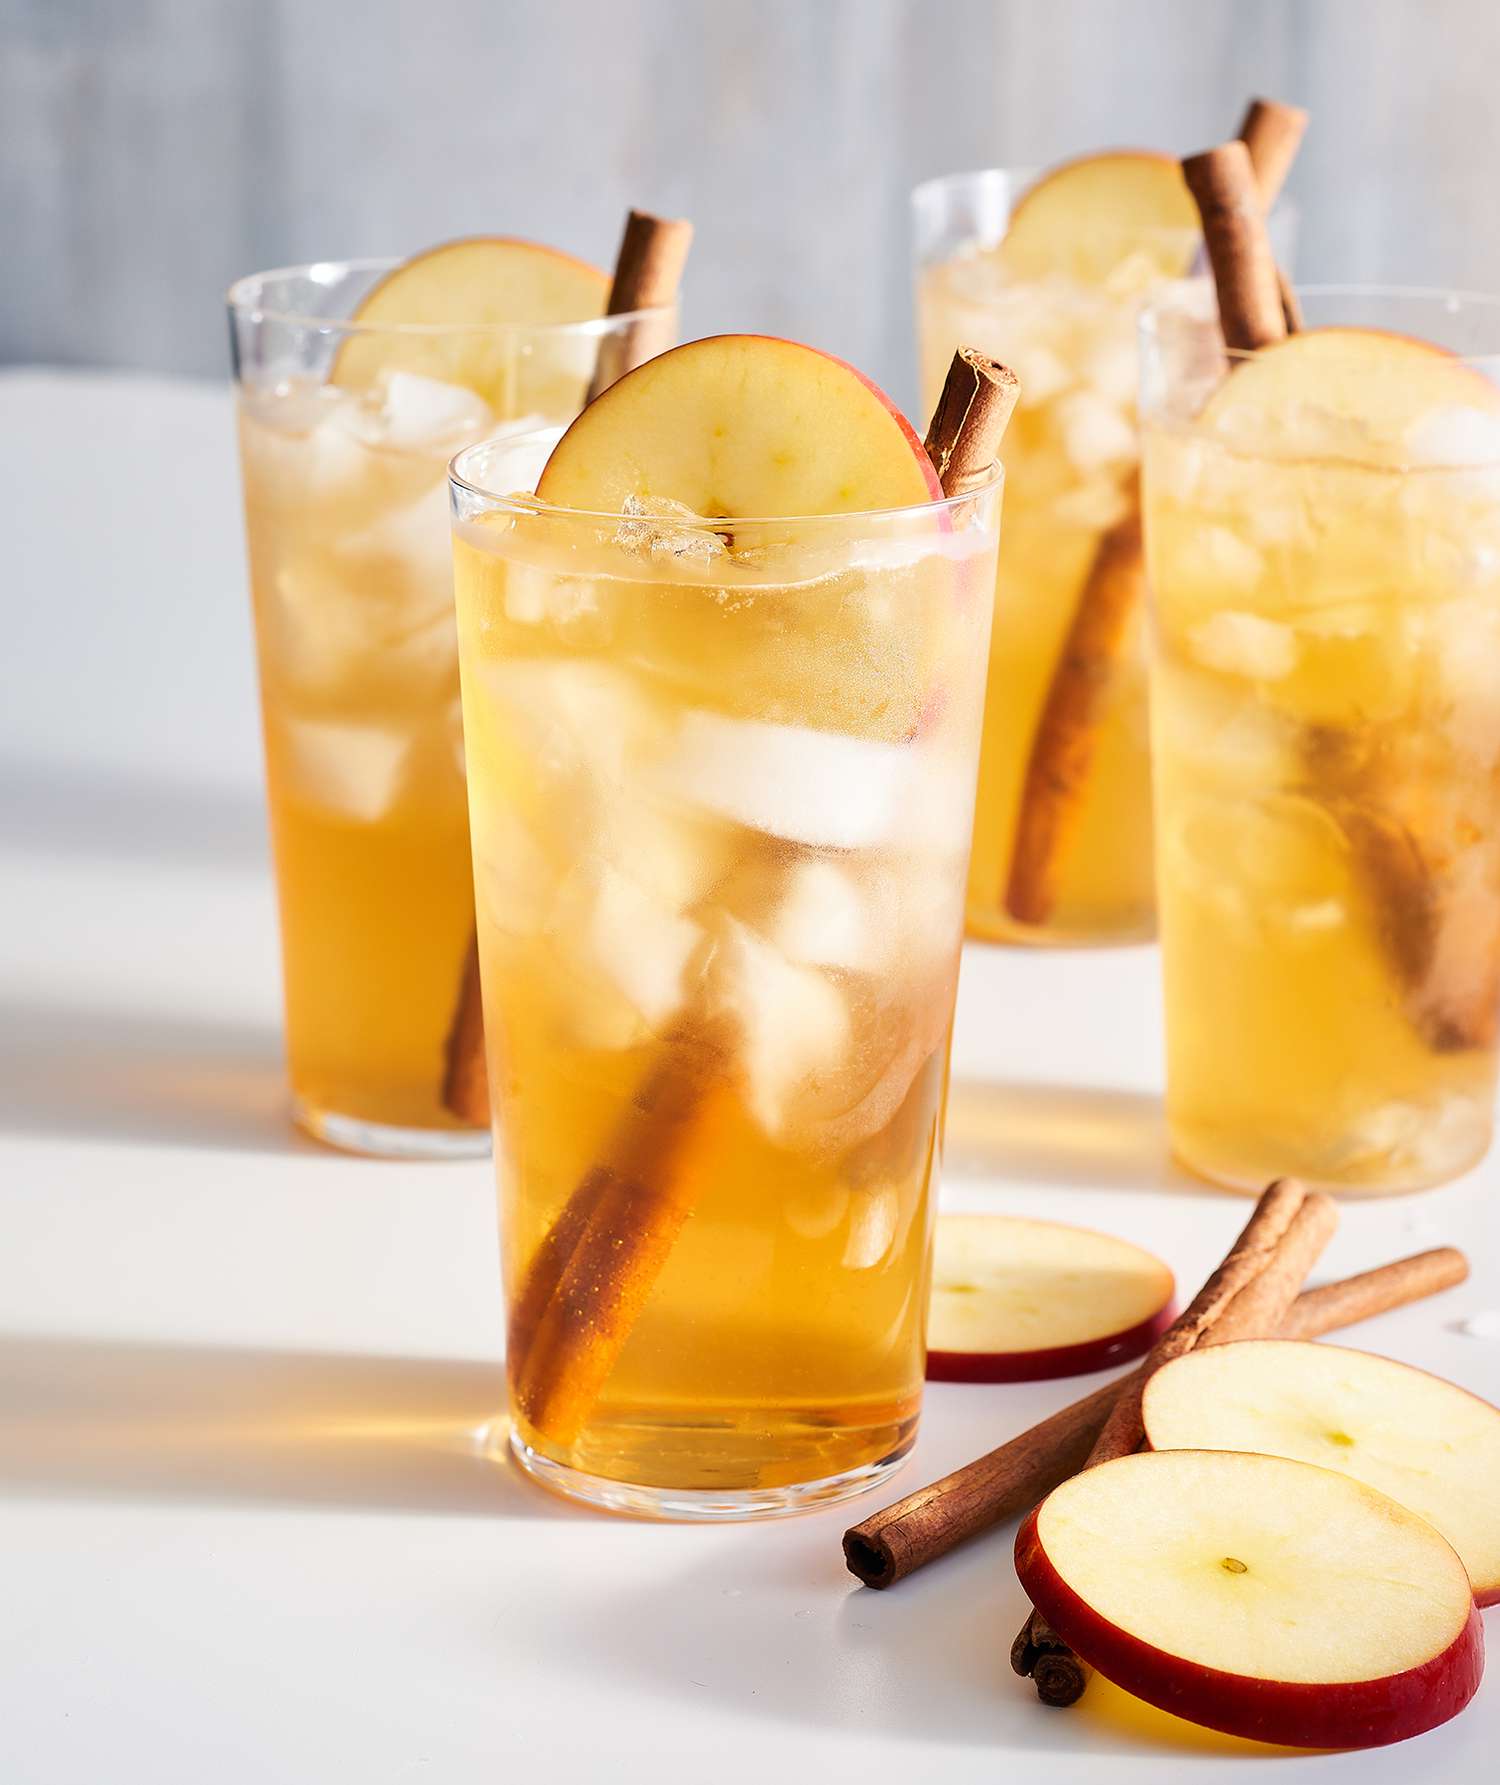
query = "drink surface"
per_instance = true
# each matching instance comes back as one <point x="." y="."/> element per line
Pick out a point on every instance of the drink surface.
<point x="1326" y="705"/>
<point x="1071" y="457"/>
<point x="720" y="793"/>
<point x="346" y="512"/>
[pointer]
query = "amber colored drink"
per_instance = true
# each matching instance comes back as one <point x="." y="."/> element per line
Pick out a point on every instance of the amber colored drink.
<point x="720" y="785"/>
<point x="1324" y="556"/>
<point x="346" y="508"/>
<point x="1071" y="459"/>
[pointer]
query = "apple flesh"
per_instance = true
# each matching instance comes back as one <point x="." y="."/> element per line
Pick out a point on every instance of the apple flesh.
<point x="738" y="426"/>
<point x="1018" y="1301"/>
<point x="1430" y="1445"/>
<point x="476" y="286"/>
<point x="1084" y="218"/>
<point x="1360" y="394"/>
<point x="1257" y="1596"/>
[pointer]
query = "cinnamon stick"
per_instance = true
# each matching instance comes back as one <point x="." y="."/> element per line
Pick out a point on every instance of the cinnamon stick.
<point x="648" y="270"/>
<point x="594" y="1270"/>
<point x="1222" y="182"/>
<point x="976" y="402"/>
<point x="1061" y="764"/>
<point x="1009" y="1480"/>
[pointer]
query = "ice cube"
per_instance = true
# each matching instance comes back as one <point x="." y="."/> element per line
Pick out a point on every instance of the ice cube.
<point x="352" y="770"/>
<point x="576" y="714"/>
<point x="409" y="547"/>
<point x="1454" y="435"/>
<point x="1483" y="1325"/>
<point x="1093" y="506"/>
<point x="816" y="1212"/>
<point x="514" y="880"/>
<point x="1226" y="561"/>
<point x="827" y="918"/>
<point x="873" y="1221"/>
<point x="1043" y="374"/>
<point x="300" y="449"/>
<point x="1111" y="367"/>
<point x="821" y="788"/>
<point x="662" y="530"/>
<point x="793" y="1024"/>
<point x="1094" y="434"/>
<point x="1240" y="644"/>
<point x="1423" y="1139"/>
<point x="425" y="415"/>
<point x="610" y="924"/>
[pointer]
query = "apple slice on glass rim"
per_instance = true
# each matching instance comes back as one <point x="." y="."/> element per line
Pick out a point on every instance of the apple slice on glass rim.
<point x="1429" y="1444"/>
<point x="1015" y="1300"/>
<point x="1257" y="1596"/>
<point x="441" y="315"/>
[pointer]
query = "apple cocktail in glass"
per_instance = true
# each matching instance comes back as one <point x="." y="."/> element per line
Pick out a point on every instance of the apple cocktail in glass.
<point x="1323" y="533"/>
<point x="349" y="412"/>
<point x="720" y="780"/>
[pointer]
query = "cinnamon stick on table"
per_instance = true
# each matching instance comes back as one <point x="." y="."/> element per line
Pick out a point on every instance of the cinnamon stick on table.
<point x="1060" y="766"/>
<point x="1007" y="1481"/>
<point x="590" y="1277"/>
<point x="648" y="270"/>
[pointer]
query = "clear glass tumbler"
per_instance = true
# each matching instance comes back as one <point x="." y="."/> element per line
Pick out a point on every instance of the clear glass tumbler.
<point x="1323" y="545"/>
<point x="346" y="429"/>
<point x="1062" y="833"/>
<point x="720" y="782"/>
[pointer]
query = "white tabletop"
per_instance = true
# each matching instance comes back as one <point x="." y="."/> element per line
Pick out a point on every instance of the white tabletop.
<point x="247" y="1533"/>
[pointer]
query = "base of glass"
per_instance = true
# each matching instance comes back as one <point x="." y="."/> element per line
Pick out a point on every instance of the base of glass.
<point x="701" y="1505"/>
<point x="1000" y="932"/>
<point x="378" y="1140"/>
<point x="1250" y="1183"/>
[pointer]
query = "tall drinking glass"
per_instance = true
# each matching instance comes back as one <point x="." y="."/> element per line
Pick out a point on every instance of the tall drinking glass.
<point x="1062" y="832"/>
<point x="720" y="782"/>
<point x="1323" y="532"/>
<point x="346" y="429"/>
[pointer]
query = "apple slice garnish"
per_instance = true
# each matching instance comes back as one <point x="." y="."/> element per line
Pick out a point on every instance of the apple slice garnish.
<point x="737" y="426"/>
<point x="1257" y="1596"/>
<point x="1427" y="1443"/>
<point x="1016" y="1300"/>
<point x="1085" y="218"/>
<point x="476" y="284"/>
<point x="1357" y="393"/>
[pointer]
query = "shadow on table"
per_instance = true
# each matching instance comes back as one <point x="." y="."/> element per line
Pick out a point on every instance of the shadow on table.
<point x="772" y="1627"/>
<point x="1079" y="1136"/>
<point x="101" y="1419"/>
<point x="116" y="815"/>
<point x="165" y="1081"/>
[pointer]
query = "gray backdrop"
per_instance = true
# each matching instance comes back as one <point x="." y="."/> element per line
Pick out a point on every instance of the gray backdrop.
<point x="152" y="149"/>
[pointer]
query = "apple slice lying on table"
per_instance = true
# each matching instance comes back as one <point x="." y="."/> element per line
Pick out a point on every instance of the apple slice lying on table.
<point x="480" y="284"/>
<point x="1016" y="1300"/>
<point x="1257" y="1596"/>
<point x="1085" y="218"/>
<point x="1427" y="1443"/>
<point x="737" y="426"/>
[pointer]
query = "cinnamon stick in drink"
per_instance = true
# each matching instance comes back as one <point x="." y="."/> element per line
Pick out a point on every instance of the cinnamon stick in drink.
<point x="593" y="1272"/>
<point x="1060" y="767"/>
<point x="648" y="270"/>
<point x="1008" y="1481"/>
<point x="1247" y="1297"/>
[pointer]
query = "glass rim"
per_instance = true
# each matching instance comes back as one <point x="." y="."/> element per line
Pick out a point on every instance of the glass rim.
<point x="242" y="300"/>
<point x="1166" y="299"/>
<point x="519" y="502"/>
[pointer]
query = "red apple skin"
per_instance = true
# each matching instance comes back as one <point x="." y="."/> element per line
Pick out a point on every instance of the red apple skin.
<point x="1288" y="1713"/>
<point x="1049" y="1362"/>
